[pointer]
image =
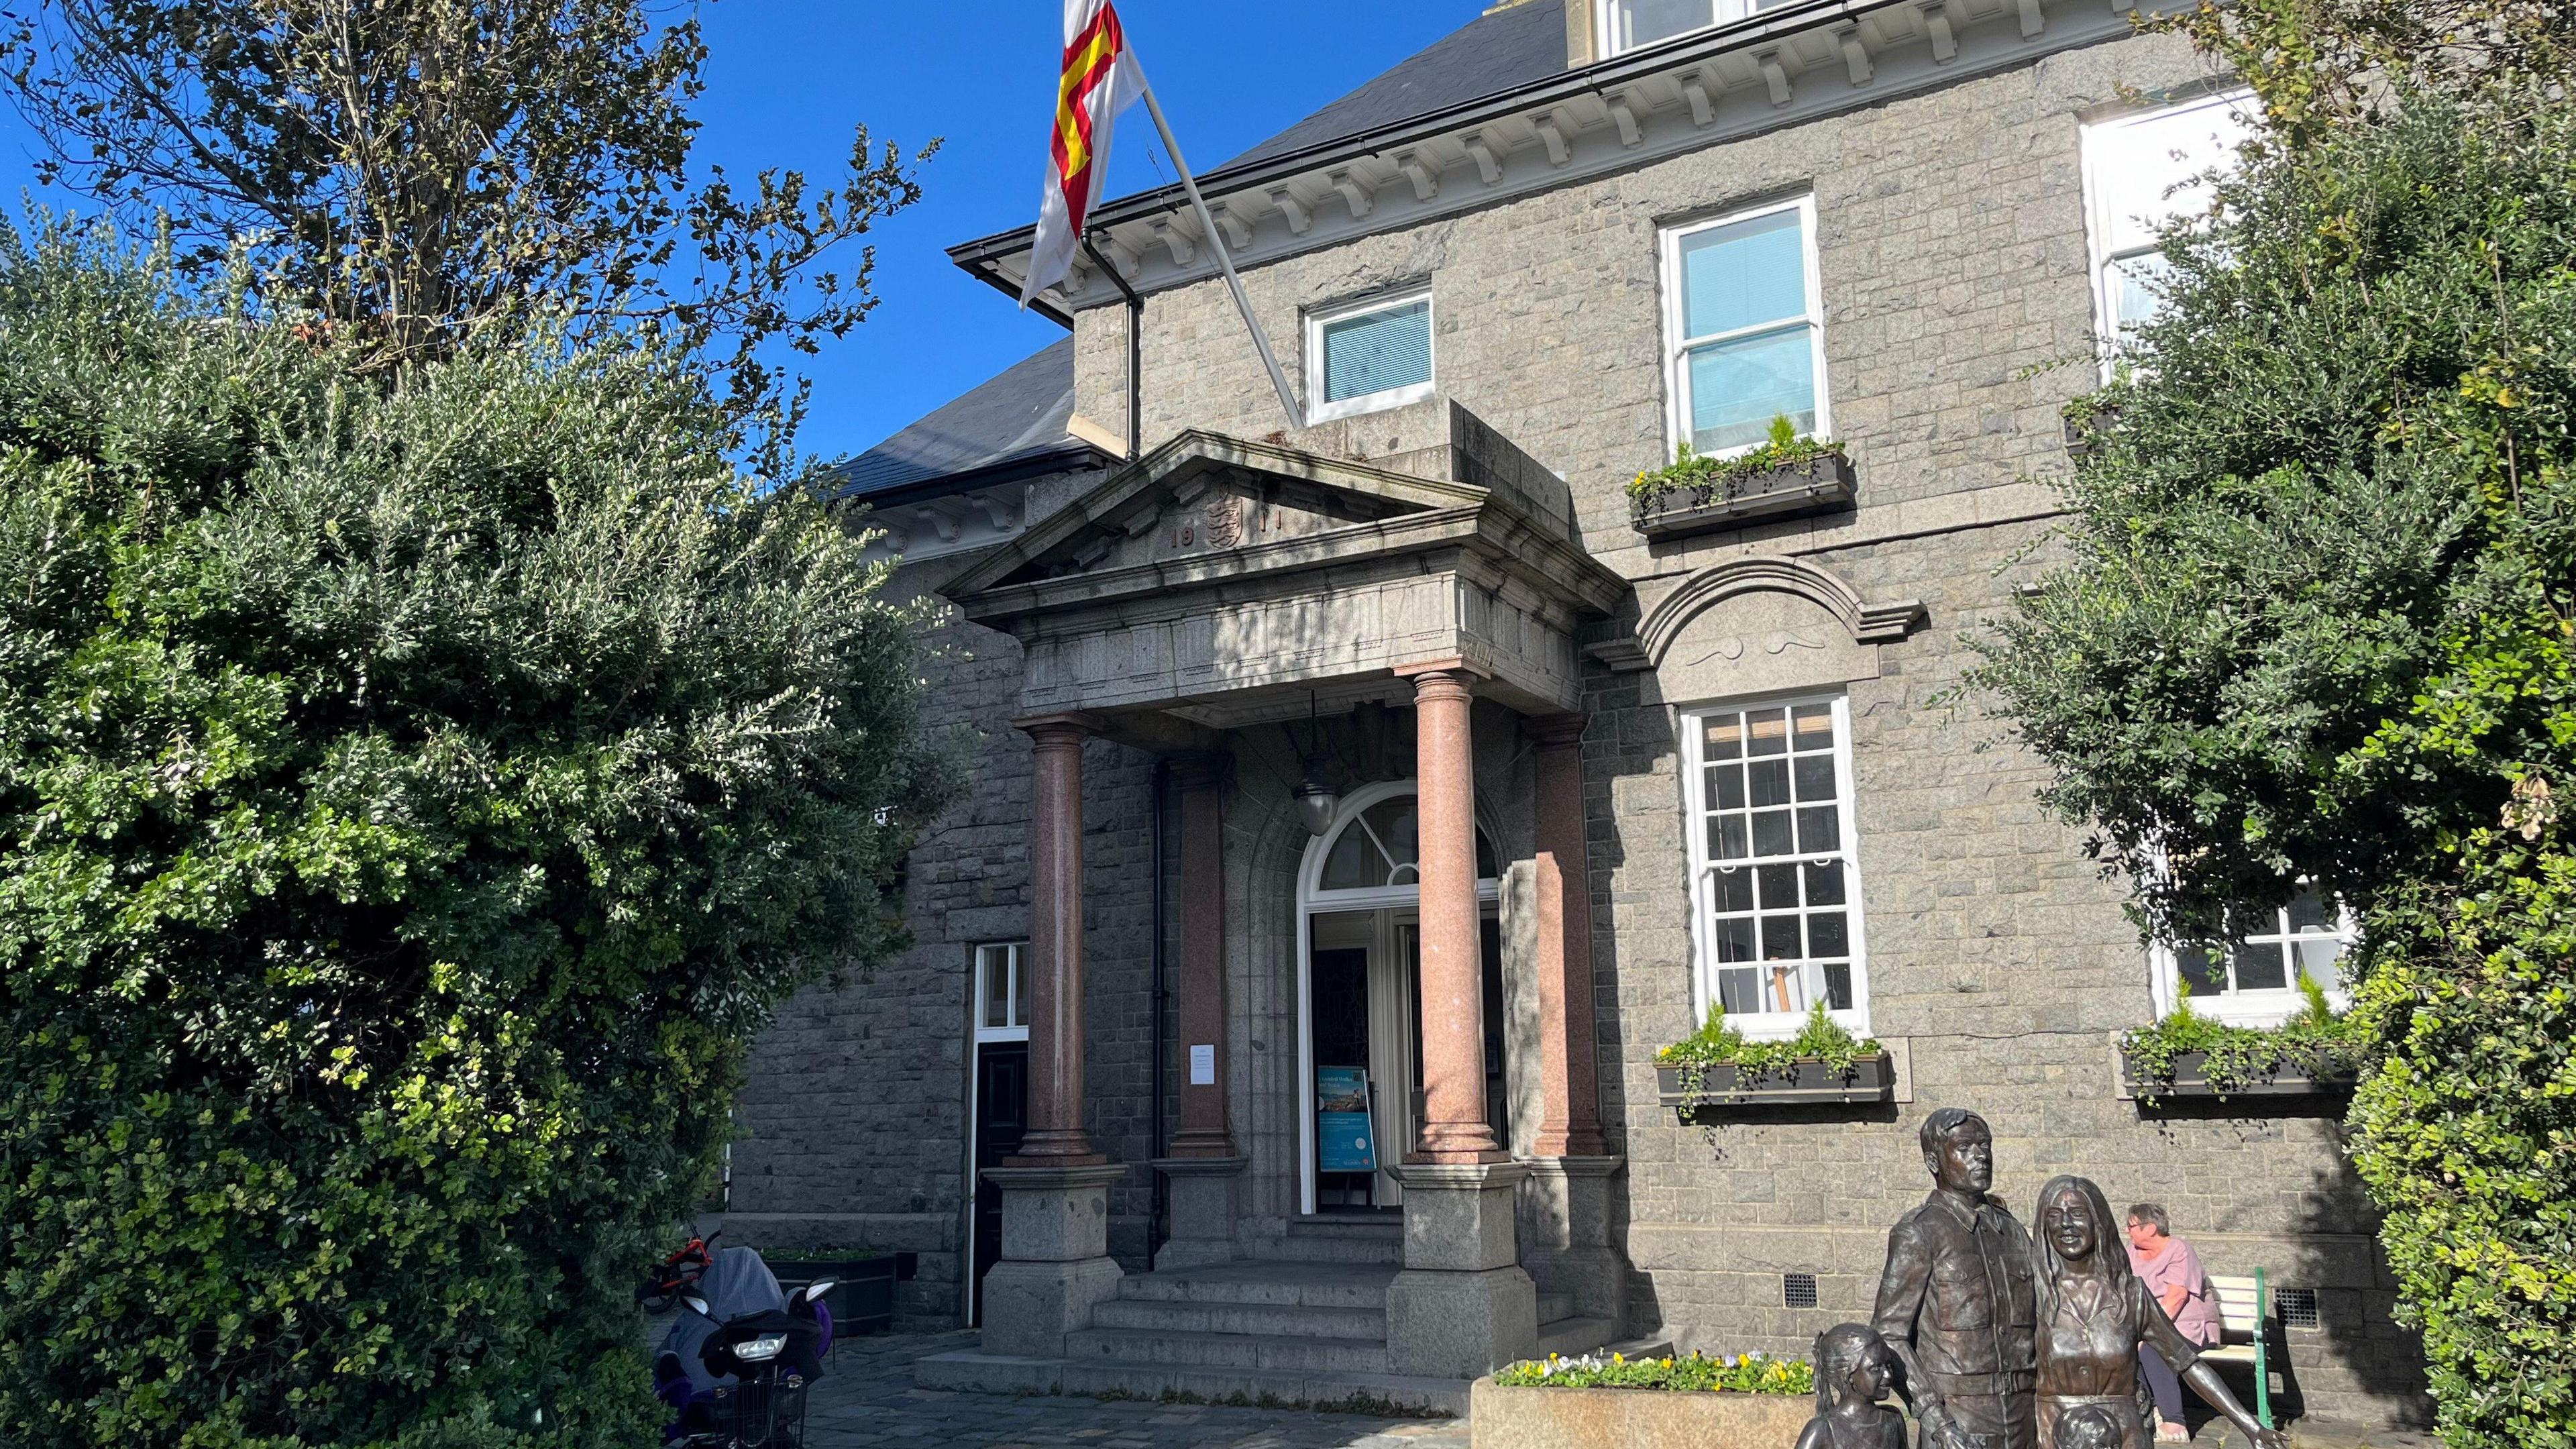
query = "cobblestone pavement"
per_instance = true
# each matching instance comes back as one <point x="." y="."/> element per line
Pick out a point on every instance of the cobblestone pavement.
<point x="867" y="1401"/>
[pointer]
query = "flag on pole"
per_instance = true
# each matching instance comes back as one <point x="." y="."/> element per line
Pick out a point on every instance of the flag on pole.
<point x="1100" y="80"/>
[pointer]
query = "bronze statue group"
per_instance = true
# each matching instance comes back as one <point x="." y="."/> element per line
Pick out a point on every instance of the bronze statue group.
<point x="1997" y="1342"/>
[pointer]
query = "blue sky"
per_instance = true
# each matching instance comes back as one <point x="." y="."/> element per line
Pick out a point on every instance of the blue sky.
<point x="787" y="79"/>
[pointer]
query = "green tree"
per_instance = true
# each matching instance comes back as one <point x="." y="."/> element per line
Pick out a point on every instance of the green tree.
<point x="418" y="171"/>
<point x="411" y="798"/>
<point x="2318" y="624"/>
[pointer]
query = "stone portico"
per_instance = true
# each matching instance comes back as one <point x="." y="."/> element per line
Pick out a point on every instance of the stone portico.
<point x="1218" y="584"/>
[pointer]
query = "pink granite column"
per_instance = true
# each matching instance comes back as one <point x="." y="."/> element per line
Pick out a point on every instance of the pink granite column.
<point x="1570" y="1125"/>
<point x="1205" y="1130"/>
<point x="1055" y="1136"/>
<point x="1454" y="1129"/>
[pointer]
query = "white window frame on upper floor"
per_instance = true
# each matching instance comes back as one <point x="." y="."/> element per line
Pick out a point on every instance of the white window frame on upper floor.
<point x="1320" y="411"/>
<point x="1770" y="1026"/>
<point x="1678" y="344"/>
<point x="2263" y="1007"/>
<point x="1012" y="956"/>
<point x="1605" y="23"/>
<point x="2104" y="212"/>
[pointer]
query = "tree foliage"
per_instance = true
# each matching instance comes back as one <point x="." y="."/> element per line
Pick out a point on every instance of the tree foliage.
<point x="2319" y="625"/>
<point x="410" y="799"/>
<point x="418" y="171"/>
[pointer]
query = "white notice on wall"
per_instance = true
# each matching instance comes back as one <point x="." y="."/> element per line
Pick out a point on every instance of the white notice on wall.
<point x="1203" y="1066"/>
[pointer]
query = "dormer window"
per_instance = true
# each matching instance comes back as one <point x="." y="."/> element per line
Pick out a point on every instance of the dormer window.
<point x="1629" y="24"/>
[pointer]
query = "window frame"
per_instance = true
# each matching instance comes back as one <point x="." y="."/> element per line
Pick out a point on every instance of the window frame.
<point x="1013" y="954"/>
<point x="1678" y="344"/>
<point x="2261" y="1007"/>
<point x="1605" y="23"/>
<point x="1769" y="1026"/>
<point x="1317" y="319"/>
<point x="2099" y="220"/>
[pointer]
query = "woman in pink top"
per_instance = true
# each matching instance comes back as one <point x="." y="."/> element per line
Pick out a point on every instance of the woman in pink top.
<point x="2172" y="1272"/>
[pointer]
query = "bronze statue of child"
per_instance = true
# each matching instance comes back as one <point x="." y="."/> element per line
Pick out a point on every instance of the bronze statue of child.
<point x="2088" y="1427"/>
<point x="1854" y="1371"/>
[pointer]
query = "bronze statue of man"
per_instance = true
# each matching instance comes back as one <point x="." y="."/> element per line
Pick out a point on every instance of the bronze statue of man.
<point x="1956" y="1299"/>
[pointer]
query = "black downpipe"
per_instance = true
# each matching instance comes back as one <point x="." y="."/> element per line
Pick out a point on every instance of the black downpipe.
<point x="1135" y="353"/>
<point x="1159" y="1204"/>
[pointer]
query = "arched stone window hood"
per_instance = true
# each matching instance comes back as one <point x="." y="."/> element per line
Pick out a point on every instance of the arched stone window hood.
<point x="1756" y="625"/>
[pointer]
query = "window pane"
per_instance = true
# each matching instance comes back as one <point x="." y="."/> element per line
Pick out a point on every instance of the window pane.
<point x="1820" y="829"/>
<point x="1741" y="992"/>
<point x="1734" y="890"/>
<point x="1815" y="777"/>
<point x="1828" y="934"/>
<point x="1815" y="726"/>
<point x="1354" y="863"/>
<point x="1838" y="985"/>
<point x="1726" y="787"/>
<point x="1724" y="737"/>
<point x="1377" y="351"/>
<point x="2137" y="289"/>
<point x="2308" y="912"/>
<point x="1397" y="824"/>
<point x="1770" y="731"/>
<point x="1726" y="838"/>
<point x="1744" y="274"/>
<point x="1771" y="833"/>
<point x="1825" y="883"/>
<point x="2260" y="966"/>
<point x="2201" y="969"/>
<point x="1019" y="985"/>
<point x="1734" y="939"/>
<point x="997" y="981"/>
<point x="2320" y="958"/>
<point x="1770" y="781"/>
<point x="1737" y="388"/>
<point x="1643" y="22"/>
<point x="1779" y="886"/>
<point x="1781" y="938"/>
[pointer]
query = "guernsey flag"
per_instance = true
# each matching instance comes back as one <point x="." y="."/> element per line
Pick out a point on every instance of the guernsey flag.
<point x="1100" y="80"/>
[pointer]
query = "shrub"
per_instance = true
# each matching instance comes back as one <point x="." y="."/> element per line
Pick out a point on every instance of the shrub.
<point x="410" y="799"/>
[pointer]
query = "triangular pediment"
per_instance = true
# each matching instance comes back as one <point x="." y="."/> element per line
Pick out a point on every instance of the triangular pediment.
<point x="1202" y="497"/>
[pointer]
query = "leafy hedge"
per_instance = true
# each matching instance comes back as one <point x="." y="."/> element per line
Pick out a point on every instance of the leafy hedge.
<point x="2319" y="625"/>
<point x="410" y="799"/>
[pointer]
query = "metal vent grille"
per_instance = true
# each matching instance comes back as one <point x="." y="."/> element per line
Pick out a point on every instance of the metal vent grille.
<point x="2298" y="1307"/>
<point x="1798" y="1290"/>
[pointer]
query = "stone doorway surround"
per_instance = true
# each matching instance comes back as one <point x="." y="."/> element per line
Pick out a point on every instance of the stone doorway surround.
<point x="1412" y="558"/>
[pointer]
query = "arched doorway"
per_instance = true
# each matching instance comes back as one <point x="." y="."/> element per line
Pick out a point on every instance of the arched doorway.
<point x="1359" y="1025"/>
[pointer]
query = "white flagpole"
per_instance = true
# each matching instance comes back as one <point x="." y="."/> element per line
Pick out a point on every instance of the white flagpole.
<point x="1216" y="241"/>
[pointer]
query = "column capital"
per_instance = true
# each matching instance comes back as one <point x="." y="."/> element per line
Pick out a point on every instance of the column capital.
<point x="1555" y="731"/>
<point x="1447" y="664"/>
<point x="1055" y="728"/>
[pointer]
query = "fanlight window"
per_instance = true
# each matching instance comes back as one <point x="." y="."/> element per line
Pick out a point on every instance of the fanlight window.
<point x="1381" y="846"/>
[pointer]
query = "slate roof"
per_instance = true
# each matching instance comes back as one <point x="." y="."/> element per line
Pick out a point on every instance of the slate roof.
<point x="1016" y="417"/>
<point x="1490" y="54"/>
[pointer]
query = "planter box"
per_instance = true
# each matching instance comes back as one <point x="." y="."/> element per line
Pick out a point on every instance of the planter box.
<point x="1810" y="487"/>
<point x="1873" y="1079"/>
<point x="1501" y="1418"/>
<point x="863" y="1301"/>
<point x="2191" y="1079"/>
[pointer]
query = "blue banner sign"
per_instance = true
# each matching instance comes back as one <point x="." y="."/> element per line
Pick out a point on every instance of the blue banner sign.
<point x="1343" y="1137"/>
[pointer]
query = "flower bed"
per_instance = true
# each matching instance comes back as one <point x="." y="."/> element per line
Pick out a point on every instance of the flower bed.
<point x="1823" y="1064"/>
<point x="1696" y="493"/>
<point x="1749" y="1402"/>
<point x="2189" y="1055"/>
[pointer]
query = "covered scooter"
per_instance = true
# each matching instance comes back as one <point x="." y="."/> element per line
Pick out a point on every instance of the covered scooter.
<point x="735" y="1366"/>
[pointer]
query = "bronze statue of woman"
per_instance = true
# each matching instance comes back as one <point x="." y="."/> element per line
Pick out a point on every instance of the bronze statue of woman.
<point x="2094" y="1311"/>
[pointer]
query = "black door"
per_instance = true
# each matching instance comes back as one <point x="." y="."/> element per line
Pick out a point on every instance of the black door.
<point x="1001" y="1119"/>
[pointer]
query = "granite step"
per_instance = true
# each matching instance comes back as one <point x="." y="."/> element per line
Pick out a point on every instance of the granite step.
<point x="1256" y="1281"/>
<point x="1269" y="1352"/>
<point x="1571" y="1336"/>
<point x="1337" y="1240"/>
<point x="1285" y="1320"/>
<point x="1553" y="1306"/>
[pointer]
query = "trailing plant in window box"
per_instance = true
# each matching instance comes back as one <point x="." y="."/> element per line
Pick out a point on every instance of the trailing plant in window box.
<point x="1823" y="1062"/>
<point x="1696" y="480"/>
<point x="2318" y="1045"/>
<point x="1743" y="1373"/>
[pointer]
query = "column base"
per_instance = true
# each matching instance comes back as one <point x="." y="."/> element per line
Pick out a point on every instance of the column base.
<point x="1203" y="1210"/>
<point x="1565" y="1234"/>
<point x="1055" y="1264"/>
<point x="1462" y="1307"/>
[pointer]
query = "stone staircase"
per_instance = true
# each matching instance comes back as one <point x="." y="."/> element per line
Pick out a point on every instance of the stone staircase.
<point x="1303" y="1323"/>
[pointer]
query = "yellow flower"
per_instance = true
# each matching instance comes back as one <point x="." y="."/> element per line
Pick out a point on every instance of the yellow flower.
<point x="1618" y="1358"/>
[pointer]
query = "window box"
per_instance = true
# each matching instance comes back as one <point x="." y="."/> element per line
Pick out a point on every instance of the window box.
<point x="1808" y="1082"/>
<point x="2321" y="1077"/>
<point x="1783" y="491"/>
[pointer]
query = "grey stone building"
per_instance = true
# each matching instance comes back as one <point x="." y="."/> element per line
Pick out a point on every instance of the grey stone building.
<point x="1358" y="810"/>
